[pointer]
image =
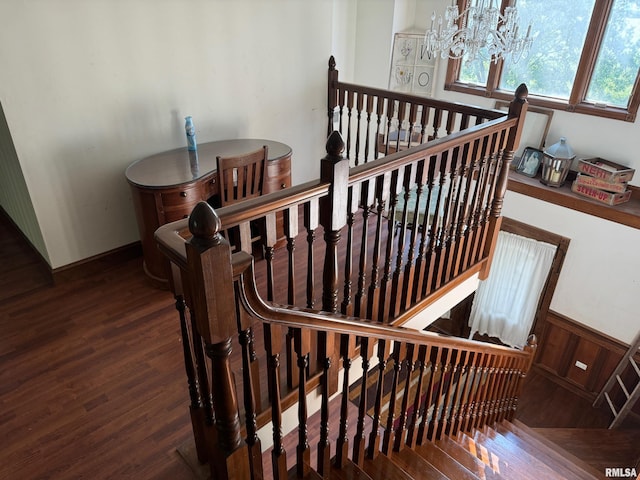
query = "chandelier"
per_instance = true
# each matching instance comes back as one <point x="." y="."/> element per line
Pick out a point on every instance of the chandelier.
<point x="480" y="26"/>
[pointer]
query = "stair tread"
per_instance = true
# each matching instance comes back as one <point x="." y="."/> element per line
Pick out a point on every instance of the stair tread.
<point x="382" y="468"/>
<point x="311" y="475"/>
<point x="558" y="459"/>
<point x="349" y="471"/>
<point x="510" y="464"/>
<point x="531" y="434"/>
<point x="465" y="458"/>
<point x="415" y="465"/>
<point x="441" y="460"/>
<point x="522" y="458"/>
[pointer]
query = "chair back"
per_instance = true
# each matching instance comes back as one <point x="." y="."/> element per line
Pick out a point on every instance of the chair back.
<point x="241" y="176"/>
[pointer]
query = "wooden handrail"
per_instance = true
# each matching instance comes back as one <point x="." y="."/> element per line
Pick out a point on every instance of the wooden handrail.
<point x="318" y="320"/>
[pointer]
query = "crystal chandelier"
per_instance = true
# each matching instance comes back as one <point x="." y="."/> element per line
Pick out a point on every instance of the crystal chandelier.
<point x="480" y="26"/>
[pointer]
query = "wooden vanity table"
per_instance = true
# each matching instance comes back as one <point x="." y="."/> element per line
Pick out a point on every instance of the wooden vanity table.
<point x="165" y="187"/>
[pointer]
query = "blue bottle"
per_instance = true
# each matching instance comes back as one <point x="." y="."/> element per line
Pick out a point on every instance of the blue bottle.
<point x="191" y="133"/>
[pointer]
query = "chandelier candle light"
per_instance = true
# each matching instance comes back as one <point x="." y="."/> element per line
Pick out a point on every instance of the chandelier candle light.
<point x="480" y="26"/>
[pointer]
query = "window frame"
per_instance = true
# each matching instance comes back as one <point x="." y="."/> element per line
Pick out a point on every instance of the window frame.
<point x="576" y="102"/>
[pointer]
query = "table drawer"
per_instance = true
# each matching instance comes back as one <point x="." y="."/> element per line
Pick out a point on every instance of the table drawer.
<point x="278" y="175"/>
<point x="181" y="196"/>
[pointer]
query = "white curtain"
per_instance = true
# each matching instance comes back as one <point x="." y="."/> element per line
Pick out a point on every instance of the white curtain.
<point x="505" y="303"/>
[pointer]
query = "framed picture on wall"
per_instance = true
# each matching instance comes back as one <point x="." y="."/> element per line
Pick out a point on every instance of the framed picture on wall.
<point x="530" y="162"/>
<point x="413" y="70"/>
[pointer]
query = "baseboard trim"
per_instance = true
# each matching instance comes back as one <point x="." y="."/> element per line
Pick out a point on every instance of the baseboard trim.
<point x="90" y="265"/>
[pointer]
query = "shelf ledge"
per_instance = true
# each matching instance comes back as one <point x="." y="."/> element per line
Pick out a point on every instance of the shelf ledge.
<point x="626" y="213"/>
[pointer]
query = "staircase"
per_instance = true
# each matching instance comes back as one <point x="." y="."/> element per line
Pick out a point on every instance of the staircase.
<point x="508" y="450"/>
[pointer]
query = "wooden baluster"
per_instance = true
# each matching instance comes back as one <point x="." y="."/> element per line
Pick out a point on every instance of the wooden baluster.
<point x="359" y="105"/>
<point x="367" y="199"/>
<point x="366" y="350"/>
<point x="422" y="260"/>
<point x="311" y="219"/>
<point x="451" y="242"/>
<point x="385" y="300"/>
<point x="382" y="189"/>
<point x="499" y="402"/>
<point x="311" y="222"/>
<point x="479" y="403"/>
<point x="399" y="352"/>
<point x="474" y="393"/>
<point x="208" y="252"/>
<point x="443" y="238"/>
<point x="401" y="112"/>
<point x="254" y="365"/>
<point x="464" y="121"/>
<point x="459" y="394"/>
<point x="435" y="232"/>
<point x="483" y="175"/>
<point x="437" y="120"/>
<point x="451" y="121"/>
<point x="379" y="112"/>
<point x="269" y="243"/>
<point x="396" y="283"/>
<point x="324" y="444"/>
<point x="374" y="438"/>
<point x="390" y="113"/>
<point x="273" y="346"/>
<point x="465" y="208"/>
<point x="350" y="94"/>
<point x="342" y="95"/>
<point x="400" y="436"/>
<point x="440" y="391"/>
<point x="196" y="407"/>
<point x="477" y="170"/>
<point x="409" y="272"/>
<point x="413" y="112"/>
<point x="347" y="307"/>
<point x="450" y="386"/>
<point x="253" y="441"/>
<point x="291" y="231"/>
<point x="332" y="96"/>
<point x="428" y="416"/>
<point x="303" y="452"/>
<point x="370" y="99"/>
<point x="412" y="429"/>
<point x="424" y="117"/>
<point x="347" y="348"/>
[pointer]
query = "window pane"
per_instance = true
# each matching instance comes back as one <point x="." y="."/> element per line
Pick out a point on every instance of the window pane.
<point x="559" y="28"/>
<point x="619" y="58"/>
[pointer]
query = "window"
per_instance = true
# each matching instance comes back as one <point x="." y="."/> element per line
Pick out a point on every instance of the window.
<point x="585" y="58"/>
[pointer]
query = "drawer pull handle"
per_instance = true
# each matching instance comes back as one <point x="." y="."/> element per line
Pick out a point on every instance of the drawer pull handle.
<point x="213" y="180"/>
<point x="185" y="216"/>
<point x="283" y="185"/>
<point x="183" y="194"/>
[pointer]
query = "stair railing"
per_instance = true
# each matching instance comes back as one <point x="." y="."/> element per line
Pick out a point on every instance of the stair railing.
<point x="443" y="233"/>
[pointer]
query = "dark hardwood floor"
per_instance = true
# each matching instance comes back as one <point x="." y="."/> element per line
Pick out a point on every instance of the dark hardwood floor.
<point x="92" y="383"/>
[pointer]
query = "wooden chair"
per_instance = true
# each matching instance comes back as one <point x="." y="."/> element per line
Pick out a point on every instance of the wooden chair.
<point x="241" y="177"/>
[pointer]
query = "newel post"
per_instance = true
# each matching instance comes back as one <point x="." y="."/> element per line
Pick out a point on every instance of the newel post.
<point x="517" y="109"/>
<point x="334" y="169"/>
<point x="212" y="296"/>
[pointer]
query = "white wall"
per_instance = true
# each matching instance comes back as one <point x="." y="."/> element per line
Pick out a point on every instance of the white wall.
<point x="89" y="87"/>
